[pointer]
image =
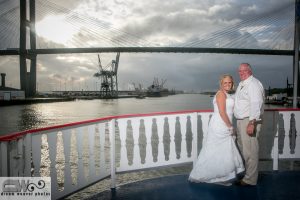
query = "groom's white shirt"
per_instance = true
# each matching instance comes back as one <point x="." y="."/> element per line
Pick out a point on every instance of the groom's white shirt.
<point x="249" y="99"/>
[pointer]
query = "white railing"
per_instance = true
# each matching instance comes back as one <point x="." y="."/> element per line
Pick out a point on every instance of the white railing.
<point x="79" y="154"/>
<point x="286" y="142"/>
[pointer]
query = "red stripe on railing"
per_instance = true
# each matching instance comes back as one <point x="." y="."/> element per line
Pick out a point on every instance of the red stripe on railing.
<point x="13" y="136"/>
<point x="283" y="109"/>
<point x="16" y="135"/>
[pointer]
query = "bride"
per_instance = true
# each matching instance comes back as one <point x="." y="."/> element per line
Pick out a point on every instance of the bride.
<point x="219" y="160"/>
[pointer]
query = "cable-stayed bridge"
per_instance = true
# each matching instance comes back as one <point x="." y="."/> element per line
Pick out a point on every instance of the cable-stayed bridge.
<point x="271" y="31"/>
<point x="268" y="33"/>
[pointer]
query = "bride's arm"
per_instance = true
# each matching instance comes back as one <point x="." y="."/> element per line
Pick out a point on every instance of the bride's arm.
<point x="221" y="103"/>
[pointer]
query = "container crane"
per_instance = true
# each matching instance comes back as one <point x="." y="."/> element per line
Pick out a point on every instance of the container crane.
<point x="109" y="78"/>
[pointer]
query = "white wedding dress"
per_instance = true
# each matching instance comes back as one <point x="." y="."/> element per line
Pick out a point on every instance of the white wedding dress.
<point x="219" y="159"/>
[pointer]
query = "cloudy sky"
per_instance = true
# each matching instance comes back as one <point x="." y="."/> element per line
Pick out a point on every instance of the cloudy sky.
<point x="102" y="23"/>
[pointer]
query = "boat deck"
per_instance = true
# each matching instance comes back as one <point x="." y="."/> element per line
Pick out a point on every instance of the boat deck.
<point x="280" y="185"/>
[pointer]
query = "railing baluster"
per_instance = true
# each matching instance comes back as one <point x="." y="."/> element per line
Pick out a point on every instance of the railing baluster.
<point x="172" y="120"/>
<point x="129" y="143"/>
<point x="148" y="133"/>
<point x="275" y="150"/>
<point x="27" y="155"/>
<point x="4" y="159"/>
<point x="112" y="153"/>
<point x="13" y="157"/>
<point x="80" y="173"/>
<point x="135" y="132"/>
<point x="67" y="150"/>
<point x="91" y="144"/>
<point x="160" y="132"/>
<point x="195" y="141"/>
<point x="286" y="123"/>
<point x="154" y="140"/>
<point x="183" y="119"/>
<point x="178" y="138"/>
<point x="36" y="153"/>
<point x="292" y="134"/>
<point x="275" y="147"/>
<point x="122" y="131"/>
<point x="142" y="142"/>
<point x="52" y="143"/>
<point x="102" y="149"/>
<point x="205" y="122"/>
<point x="20" y="157"/>
<point x="297" y="148"/>
<point x="166" y="139"/>
<point x="189" y="137"/>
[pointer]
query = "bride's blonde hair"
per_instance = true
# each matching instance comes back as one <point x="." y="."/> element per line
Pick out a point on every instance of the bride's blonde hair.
<point x="222" y="77"/>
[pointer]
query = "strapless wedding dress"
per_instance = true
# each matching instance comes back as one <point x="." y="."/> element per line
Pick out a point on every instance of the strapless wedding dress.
<point x="219" y="159"/>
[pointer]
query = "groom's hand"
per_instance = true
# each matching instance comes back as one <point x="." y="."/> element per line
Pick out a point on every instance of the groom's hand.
<point x="250" y="129"/>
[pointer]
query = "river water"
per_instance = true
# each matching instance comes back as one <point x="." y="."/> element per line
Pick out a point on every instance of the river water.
<point x="23" y="117"/>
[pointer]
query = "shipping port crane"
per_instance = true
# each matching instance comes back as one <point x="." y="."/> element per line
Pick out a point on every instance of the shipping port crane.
<point x="108" y="76"/>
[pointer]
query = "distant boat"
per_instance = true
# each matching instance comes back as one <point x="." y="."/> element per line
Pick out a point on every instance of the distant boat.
<point x="139" y="91"/>
<point x="141" y="96"/>
<point x="156" y="89"/>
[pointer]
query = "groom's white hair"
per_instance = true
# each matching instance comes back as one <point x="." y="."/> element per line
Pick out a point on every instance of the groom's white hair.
<point x="247" y="65"/>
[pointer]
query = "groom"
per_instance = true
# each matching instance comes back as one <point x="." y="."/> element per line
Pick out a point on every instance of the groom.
<point x="248" y="110"/>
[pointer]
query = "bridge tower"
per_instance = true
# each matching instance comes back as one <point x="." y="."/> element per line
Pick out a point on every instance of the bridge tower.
<point x="27" y="24"/>
<point x="296" y="55"/>
<point x="108" y="78"/>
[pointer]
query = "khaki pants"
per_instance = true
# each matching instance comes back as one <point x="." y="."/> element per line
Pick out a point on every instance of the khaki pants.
<point x="249" y="149"/>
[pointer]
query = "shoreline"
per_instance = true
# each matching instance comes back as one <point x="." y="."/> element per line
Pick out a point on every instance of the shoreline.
<point x="55" y="99"/>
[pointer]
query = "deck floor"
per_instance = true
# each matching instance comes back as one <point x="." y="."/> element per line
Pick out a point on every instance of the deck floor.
<point x="271" y="186"/>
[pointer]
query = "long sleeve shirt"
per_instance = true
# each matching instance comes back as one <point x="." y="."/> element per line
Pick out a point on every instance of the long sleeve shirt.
<point x="249" y="99"/>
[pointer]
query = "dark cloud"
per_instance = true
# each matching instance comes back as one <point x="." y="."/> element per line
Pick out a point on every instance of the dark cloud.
<point x="161" y="23"/>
